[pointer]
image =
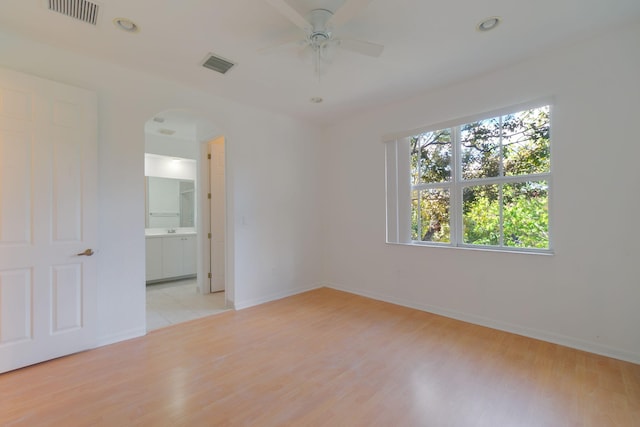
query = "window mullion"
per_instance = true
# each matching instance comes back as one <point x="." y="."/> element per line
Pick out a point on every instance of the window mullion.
<point x="501" y="185"/>
<point x="501" y="211"/>
<point x="419" y="219"/>
<point x="455" y="196"/>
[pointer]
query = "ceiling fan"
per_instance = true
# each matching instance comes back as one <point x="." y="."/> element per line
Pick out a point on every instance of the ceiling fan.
<point x="318" y="30"/>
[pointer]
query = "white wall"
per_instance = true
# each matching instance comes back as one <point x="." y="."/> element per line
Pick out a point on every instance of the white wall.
<point x="272" y="186"/>
<point x="171" y="146"/>
<point x="169" y="167"/>
<point x="586" y="295"/>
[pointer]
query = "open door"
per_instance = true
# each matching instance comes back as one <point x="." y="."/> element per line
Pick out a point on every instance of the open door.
<point x="217" y="205"/>
<point x="48" y="182"/>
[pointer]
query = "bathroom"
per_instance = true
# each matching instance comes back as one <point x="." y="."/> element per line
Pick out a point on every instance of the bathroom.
<point x="176" y="292"/>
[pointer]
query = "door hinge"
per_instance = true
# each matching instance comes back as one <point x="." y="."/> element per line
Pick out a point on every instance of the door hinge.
<point x="209" y="196"/>
<point x="209" y="235"/>
<point x="209" y="156"/>
<point x="209" y="275"/>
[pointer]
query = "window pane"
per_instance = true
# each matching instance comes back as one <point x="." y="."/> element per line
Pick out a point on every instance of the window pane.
<point x="431" y="157"/>
<point x="480" y="149"/>
<point x="526" y="214"/>
<point x="430" y="215"/>
<point x="526" y="142"/>
<point x="481" y="215"/>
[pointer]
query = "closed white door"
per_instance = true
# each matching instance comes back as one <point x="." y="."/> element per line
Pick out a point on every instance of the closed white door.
<point x="48" y="160"/>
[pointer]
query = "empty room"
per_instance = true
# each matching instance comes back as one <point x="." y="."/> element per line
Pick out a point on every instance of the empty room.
<point x="408" y="213"/>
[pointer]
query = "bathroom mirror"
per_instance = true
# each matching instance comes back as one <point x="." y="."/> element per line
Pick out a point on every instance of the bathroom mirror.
<point x="170" y="202"/>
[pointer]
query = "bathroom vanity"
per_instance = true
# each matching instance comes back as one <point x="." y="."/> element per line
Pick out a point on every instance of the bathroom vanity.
<point x="170" y="255"/>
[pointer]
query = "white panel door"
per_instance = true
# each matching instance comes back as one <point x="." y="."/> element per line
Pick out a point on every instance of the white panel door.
<point x="48" y="160"/>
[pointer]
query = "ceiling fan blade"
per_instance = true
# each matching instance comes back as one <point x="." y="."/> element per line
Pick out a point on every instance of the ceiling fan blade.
<point x="290" y="13"/>
<point x="348" y="10"/>
<point x="362" y="47"/>
<point x="284" y="43"/>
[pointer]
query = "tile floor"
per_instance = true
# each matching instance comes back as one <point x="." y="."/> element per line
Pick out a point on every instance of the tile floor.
<point x="179" y="301"/>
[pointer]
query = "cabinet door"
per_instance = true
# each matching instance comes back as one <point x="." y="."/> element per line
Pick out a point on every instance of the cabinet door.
<point x="153" y="258"/>
<point x="172" y="256"/>
<point x="189" y="255"/>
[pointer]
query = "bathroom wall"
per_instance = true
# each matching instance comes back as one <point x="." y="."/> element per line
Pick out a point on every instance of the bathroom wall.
<point x="169" y="167"/>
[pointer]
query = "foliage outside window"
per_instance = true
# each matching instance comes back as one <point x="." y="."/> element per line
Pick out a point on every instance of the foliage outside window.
<point x="480" y="184"/>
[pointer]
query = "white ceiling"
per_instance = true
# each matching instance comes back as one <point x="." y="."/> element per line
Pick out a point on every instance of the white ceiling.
<point x="427" y="44"/>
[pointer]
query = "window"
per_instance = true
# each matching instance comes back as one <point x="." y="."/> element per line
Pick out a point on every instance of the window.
<point x="477" y="183"/>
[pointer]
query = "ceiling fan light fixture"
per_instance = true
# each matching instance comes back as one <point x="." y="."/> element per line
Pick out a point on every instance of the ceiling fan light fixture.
<point x="488" y="24"/>
<point x="318" y="28"/>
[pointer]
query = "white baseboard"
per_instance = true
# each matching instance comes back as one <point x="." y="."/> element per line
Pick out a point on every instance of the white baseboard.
<point x="122" y="336"/>
<point x="551" y="337"/>
<point x="239" y="305"/>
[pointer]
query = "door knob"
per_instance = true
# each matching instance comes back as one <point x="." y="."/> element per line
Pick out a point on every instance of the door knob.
<point x="87" y="252"/>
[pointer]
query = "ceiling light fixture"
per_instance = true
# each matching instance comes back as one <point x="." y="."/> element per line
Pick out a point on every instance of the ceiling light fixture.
<point x="318" y="26"/>
<point x="488" y="24"/>
<point x="126" y="25"/>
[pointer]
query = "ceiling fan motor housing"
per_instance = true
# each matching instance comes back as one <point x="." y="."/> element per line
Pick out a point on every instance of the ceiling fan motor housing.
<point x="318" y="19"/>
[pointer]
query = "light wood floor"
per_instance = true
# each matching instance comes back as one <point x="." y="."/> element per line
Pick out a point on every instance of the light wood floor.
<point x="325" y="358"/>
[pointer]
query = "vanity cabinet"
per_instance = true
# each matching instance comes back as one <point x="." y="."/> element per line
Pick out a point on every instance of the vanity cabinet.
<point x="154" y="258"/>
<point x="170" y="256"/>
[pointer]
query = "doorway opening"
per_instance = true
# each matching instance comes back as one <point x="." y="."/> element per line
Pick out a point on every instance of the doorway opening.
<point x="185" y="219"/>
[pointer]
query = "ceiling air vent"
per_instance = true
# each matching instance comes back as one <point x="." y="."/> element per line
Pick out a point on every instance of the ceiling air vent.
<point x="82" y="10"/>
<point x="217" y="63"/>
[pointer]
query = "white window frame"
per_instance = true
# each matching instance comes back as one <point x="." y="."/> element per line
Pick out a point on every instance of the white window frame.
<point x="399" y="188"/>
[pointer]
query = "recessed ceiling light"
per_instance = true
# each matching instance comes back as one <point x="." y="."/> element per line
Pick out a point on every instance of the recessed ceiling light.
<point x="316" y="100"/>
<point x="126" y="25"/>
<point x="488" y="23"/>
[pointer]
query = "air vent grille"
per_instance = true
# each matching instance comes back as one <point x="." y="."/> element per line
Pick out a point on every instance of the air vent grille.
<point x="217" y="63"/>
<point x="82" y="10"/>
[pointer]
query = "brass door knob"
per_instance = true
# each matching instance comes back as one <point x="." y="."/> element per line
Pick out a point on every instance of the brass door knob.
<point x="87" y="252"/>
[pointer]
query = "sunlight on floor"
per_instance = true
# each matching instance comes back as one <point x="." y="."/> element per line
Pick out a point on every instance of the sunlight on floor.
<point x="175" y="302"/>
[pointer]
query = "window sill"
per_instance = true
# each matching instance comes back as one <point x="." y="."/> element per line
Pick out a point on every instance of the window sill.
<point x="543" y="252"/>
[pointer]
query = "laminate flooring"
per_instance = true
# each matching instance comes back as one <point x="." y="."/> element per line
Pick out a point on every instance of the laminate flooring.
<point x="325" y="358"/>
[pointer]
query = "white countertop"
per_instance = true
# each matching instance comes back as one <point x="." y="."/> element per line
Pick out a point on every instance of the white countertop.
<point x="164" y="232"/>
